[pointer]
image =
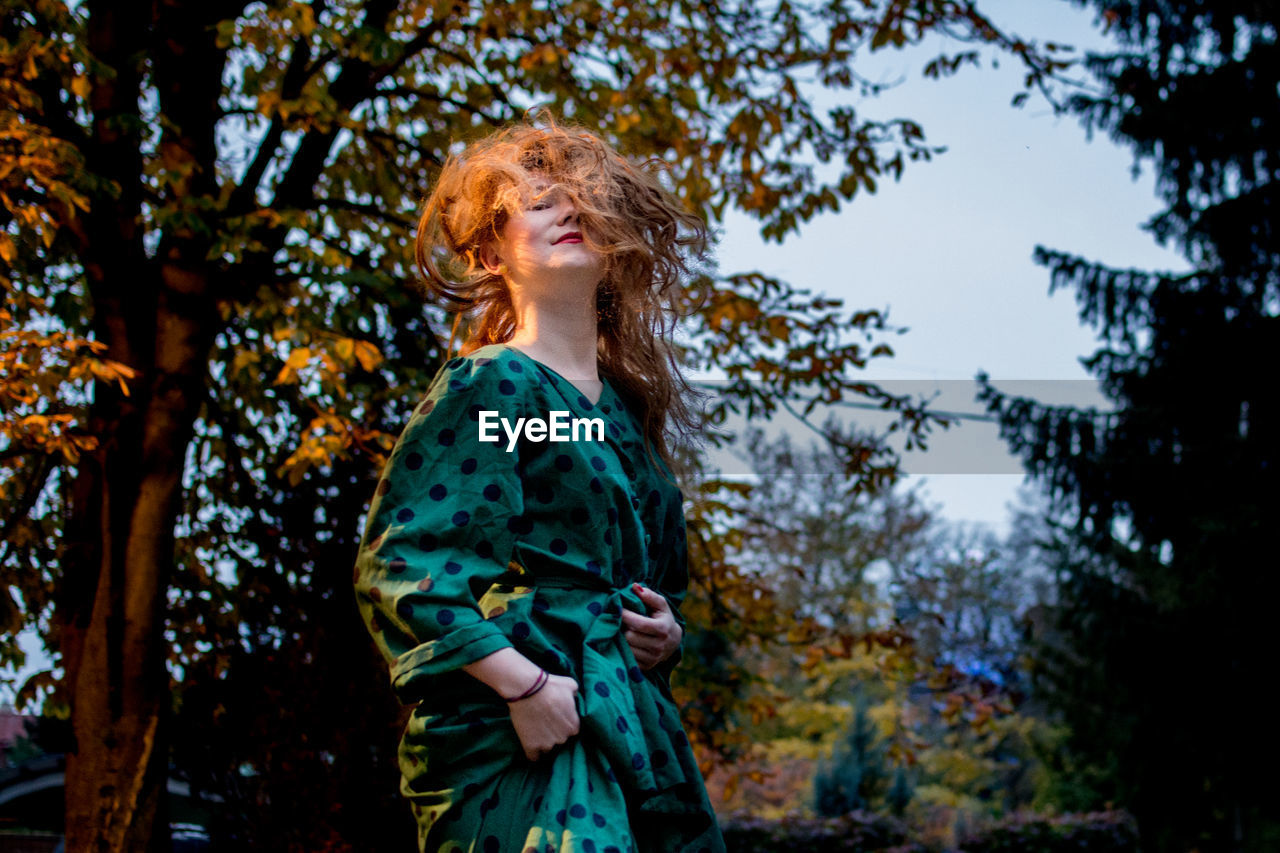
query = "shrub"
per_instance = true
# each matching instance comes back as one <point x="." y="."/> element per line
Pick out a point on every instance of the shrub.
<point x="855" y="832"/>
<point x="1097" y="832"/>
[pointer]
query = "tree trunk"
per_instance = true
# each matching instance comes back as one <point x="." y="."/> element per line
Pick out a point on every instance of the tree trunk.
<point x="158" y="315"/>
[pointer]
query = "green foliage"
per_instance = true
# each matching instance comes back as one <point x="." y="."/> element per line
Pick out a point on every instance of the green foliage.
<point x="1097" y="832"/>
<point x="858" y="832"/>
<point x="1167" y="502"/>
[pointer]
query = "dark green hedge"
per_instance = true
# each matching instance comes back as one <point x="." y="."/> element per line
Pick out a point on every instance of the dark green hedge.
<point x="1096" y="832"/>
<point x="863" y="832"/>
<point x="856" y="832"/>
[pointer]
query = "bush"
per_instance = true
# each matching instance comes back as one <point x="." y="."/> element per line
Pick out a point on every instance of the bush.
<point x="1097" y="832"/>
<point x="855" y="832"/>
<point x="864" y="832"/>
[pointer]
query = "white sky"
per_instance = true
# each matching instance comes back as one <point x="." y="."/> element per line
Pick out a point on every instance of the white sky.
<point x="948" y="248"/>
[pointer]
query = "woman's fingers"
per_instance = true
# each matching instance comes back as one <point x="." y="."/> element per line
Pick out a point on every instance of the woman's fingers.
<point x="644" y="642"/>
<point x="653" y="600"/>
<point x="648" y="650"/>
<point x="634" y="622"/>
<point x="655" y="637"/>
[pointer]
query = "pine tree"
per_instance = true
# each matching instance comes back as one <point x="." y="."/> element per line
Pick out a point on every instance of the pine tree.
<point x="900" y="792"/>
<point x="855" y="775"/>
<point x="1164" y="640"/>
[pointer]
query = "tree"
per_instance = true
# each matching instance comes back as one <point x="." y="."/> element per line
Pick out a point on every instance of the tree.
<point x="219" y="195"/>
<point x="856" y="776"/>
<point x="898" y="679"/>
<point x="1165" y="609"/>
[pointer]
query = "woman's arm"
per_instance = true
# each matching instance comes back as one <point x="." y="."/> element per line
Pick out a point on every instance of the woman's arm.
<point x="440" y="532"/>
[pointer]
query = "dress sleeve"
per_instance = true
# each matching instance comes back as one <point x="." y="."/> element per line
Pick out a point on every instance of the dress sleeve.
<point x="439" y="530"/>
<point x="673" y="582"/>
<point x="673" y="586"/>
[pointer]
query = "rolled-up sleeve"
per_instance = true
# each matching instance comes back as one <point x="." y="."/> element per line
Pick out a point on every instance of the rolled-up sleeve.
<point x="439" y="532"/>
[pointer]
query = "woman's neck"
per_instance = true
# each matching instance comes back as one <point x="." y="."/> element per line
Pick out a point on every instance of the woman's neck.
<point x="561" y="336"/>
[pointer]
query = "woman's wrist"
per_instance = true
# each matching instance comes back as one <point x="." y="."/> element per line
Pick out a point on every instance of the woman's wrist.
<point x="538" y="684"/>
<point x="507" y="672"/>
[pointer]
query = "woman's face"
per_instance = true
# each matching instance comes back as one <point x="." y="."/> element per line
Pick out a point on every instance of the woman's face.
<point x="542" y="241"/>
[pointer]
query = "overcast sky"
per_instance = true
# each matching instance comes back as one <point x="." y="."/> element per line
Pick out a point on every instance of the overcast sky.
<point x="948" y="248"/>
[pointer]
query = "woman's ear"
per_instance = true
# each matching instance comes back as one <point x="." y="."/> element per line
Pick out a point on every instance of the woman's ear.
<point x="490" y="260"/>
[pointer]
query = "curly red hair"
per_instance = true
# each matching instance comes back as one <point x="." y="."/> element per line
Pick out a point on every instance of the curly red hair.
<point x="649" y="241"/>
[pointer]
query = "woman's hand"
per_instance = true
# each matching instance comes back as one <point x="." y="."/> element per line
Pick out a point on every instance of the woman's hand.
<point x="542" y="720"/>
<point x="546" y="719"/>
<point x="655" y="637"/>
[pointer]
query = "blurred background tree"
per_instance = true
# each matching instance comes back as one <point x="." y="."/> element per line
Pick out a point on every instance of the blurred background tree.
<point x="914" y="699"/>
<point x="211" y="204"/>
<point x="1159" y="653"/>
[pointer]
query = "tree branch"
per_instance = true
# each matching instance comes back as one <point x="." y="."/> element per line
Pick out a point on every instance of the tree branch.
<point x="371" y="210"/>
<point x="296" y="75"/>
<point x="407" y="144"/>
<point x="422" y="94"/>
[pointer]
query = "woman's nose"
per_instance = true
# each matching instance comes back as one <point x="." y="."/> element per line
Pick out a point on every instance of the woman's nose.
<point x="568" y="212"/>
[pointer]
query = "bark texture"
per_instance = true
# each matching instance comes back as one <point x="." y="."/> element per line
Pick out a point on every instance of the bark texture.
<point x="156" y="312"/>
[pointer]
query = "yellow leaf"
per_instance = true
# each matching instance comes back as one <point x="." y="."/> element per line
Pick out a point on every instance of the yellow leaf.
<point x="306" y="21"/>
<point x="243" y="359"/>
<point x="368" y="355"/>
<point x="70" y="453"/>
<point x="267" y="103"/>
<point x="299" y="358"/>
<point x="345" y="350"/>
<point x="779" y="329"/>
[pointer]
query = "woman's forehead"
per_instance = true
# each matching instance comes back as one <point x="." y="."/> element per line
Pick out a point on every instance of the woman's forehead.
<point x="538" y="184"/>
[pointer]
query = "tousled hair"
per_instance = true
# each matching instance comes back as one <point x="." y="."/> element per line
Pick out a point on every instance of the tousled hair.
<point x="646" y="237"/>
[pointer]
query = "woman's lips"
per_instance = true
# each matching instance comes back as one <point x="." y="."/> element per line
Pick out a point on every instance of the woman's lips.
<point x="569" y="238"/>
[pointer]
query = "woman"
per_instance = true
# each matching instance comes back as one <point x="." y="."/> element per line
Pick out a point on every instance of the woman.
<point x="526" y="590"/>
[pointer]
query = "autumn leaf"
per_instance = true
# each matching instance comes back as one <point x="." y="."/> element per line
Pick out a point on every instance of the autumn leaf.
<point x="368" y="355"/>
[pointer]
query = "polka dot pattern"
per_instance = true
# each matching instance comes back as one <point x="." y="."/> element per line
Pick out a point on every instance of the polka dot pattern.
<point x="453" y="523"/>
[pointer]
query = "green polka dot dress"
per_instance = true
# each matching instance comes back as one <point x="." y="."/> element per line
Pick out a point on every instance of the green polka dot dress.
<point x="471" y="546"/>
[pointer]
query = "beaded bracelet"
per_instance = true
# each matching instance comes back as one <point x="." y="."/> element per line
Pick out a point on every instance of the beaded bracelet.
<point x="543" y="678"/>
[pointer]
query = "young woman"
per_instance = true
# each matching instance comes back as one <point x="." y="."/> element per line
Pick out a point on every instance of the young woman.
<point x="524" y="557"/>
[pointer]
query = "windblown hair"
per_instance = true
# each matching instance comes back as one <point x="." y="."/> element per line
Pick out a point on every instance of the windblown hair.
<point x="648" y="241"/>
